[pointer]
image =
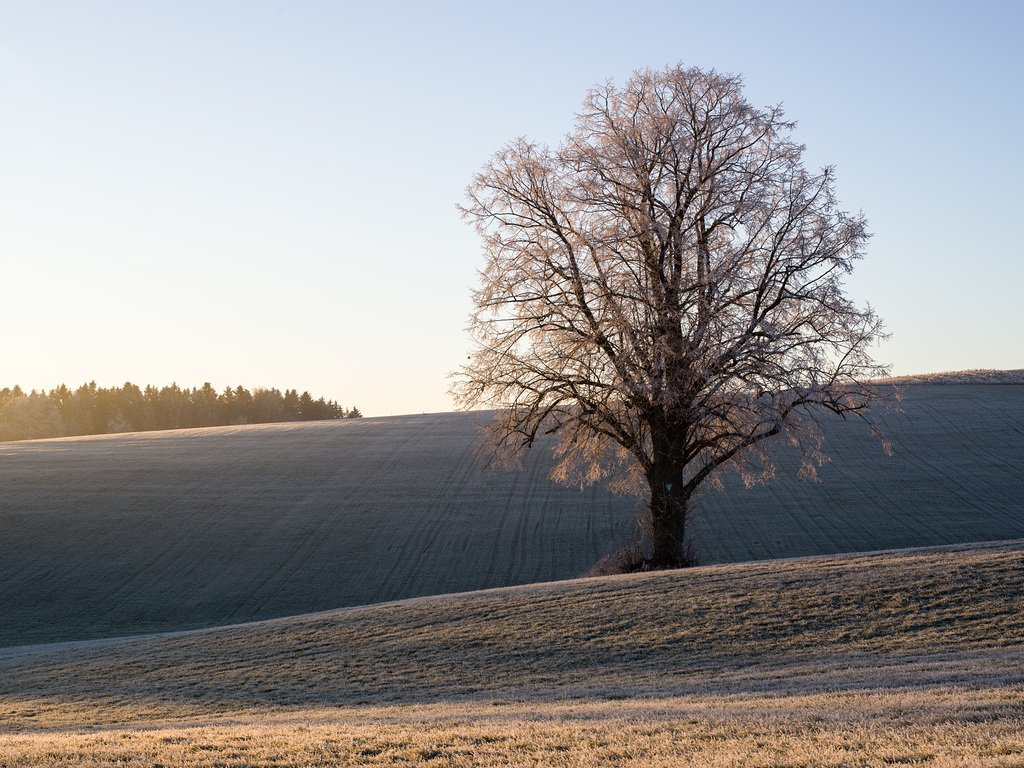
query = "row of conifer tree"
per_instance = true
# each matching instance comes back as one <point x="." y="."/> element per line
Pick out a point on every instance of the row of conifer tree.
<point x="93" y="410"/>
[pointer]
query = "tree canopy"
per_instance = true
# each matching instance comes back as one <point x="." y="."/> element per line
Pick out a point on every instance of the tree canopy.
<point x="664" y="292"/>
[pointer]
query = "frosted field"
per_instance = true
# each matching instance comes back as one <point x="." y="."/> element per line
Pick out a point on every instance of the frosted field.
<point x="957" y="476"/>
<point x="116" y="535"/>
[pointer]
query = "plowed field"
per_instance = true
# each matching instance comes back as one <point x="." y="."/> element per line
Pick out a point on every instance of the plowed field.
<point x="127" y="534"/>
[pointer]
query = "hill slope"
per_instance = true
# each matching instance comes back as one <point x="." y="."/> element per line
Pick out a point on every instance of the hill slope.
<point x="855" y="620"/>
<point x="905" y="657"/>
<point x="145" y="532"/>
<point x="150" y="532"/>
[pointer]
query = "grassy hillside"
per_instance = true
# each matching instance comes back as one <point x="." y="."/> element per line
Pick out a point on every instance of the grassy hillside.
<point x="912" y="657"/>
<point x="125" y="534"/>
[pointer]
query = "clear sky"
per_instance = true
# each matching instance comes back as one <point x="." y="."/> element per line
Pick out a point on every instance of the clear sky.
<point x="264" y="193"/>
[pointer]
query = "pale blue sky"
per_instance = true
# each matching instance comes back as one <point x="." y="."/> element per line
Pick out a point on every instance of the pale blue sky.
<point x="263" y="193"/>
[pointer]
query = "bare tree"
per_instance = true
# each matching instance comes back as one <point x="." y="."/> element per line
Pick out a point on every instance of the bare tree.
<point x="664" y="292"/>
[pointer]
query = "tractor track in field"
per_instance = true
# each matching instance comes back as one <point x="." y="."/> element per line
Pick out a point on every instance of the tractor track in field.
<point x="426" y="531"/>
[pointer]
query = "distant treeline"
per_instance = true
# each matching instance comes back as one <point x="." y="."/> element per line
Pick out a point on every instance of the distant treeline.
<point x="92" y="410"/>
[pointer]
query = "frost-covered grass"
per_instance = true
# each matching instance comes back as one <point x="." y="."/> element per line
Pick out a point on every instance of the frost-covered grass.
<point x="940" y="726"/>
<point x="912" y="657"/>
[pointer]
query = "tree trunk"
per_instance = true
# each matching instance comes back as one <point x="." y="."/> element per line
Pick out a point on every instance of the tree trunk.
<point x="668" y="524"/>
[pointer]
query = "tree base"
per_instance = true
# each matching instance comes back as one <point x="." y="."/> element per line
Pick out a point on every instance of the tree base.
<point x="633" y="559"/>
